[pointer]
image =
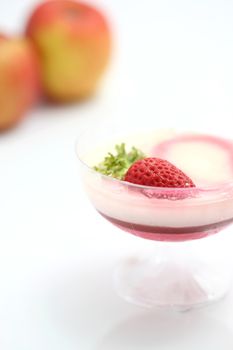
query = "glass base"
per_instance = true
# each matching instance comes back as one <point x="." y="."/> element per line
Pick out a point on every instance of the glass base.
<point x="174" y="277"/>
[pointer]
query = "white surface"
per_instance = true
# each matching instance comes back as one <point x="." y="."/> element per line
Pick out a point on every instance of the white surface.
<point x="173" y="65"/>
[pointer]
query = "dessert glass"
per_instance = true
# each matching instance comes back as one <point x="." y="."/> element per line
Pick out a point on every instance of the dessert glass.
<point x="187" y="266"/>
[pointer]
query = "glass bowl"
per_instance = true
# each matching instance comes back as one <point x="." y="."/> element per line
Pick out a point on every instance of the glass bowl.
<point x="184" y="271"/>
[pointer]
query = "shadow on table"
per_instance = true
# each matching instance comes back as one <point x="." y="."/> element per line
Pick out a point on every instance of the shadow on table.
<point x="82" y="301"/>
<point x="83" y="305"/>
<point x="164" y="330"/>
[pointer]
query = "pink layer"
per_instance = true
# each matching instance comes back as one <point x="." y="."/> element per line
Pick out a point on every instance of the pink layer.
<point x="171" y="234"/>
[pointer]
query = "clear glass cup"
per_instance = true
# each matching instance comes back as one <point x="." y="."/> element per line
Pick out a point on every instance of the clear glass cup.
<point x="183" y="270"/>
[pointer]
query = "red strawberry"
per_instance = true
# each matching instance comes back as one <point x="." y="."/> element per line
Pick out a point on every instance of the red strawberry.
<point x="157" y="173"/>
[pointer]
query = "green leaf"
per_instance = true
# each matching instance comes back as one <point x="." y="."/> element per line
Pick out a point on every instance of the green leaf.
<point x="116" y="165"/>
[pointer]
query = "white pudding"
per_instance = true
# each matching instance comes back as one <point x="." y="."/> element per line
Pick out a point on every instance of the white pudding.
<point x="207" y="160"/>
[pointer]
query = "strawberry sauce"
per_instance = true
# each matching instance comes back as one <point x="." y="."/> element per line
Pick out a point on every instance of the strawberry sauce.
<point x="172" y="234"/>
<point x="203" y="161"/>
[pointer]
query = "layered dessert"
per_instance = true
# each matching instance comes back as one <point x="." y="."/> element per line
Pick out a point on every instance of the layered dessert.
<point x="163" y="185"/>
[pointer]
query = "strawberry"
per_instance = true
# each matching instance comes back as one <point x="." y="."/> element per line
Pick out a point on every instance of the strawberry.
<point x="157" y="172"/>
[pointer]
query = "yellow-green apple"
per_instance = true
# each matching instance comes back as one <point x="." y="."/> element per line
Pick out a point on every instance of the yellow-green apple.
<point x="73" y="42"/>
<point x="19" y="79"/>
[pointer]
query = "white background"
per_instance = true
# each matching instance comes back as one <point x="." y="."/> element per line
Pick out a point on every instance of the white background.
<point x="172" y="65"/>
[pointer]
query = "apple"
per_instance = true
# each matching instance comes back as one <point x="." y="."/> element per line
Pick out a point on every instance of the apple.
<point x="73" y="41"/>
<point x="19" y="80"/>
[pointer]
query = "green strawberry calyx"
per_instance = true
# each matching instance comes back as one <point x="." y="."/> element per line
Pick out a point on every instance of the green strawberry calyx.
<point x="116" y="165"/>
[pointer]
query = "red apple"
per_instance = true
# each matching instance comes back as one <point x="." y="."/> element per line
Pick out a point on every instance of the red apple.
<point x="19" y="79"/>
<point x="73" y="41"/>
